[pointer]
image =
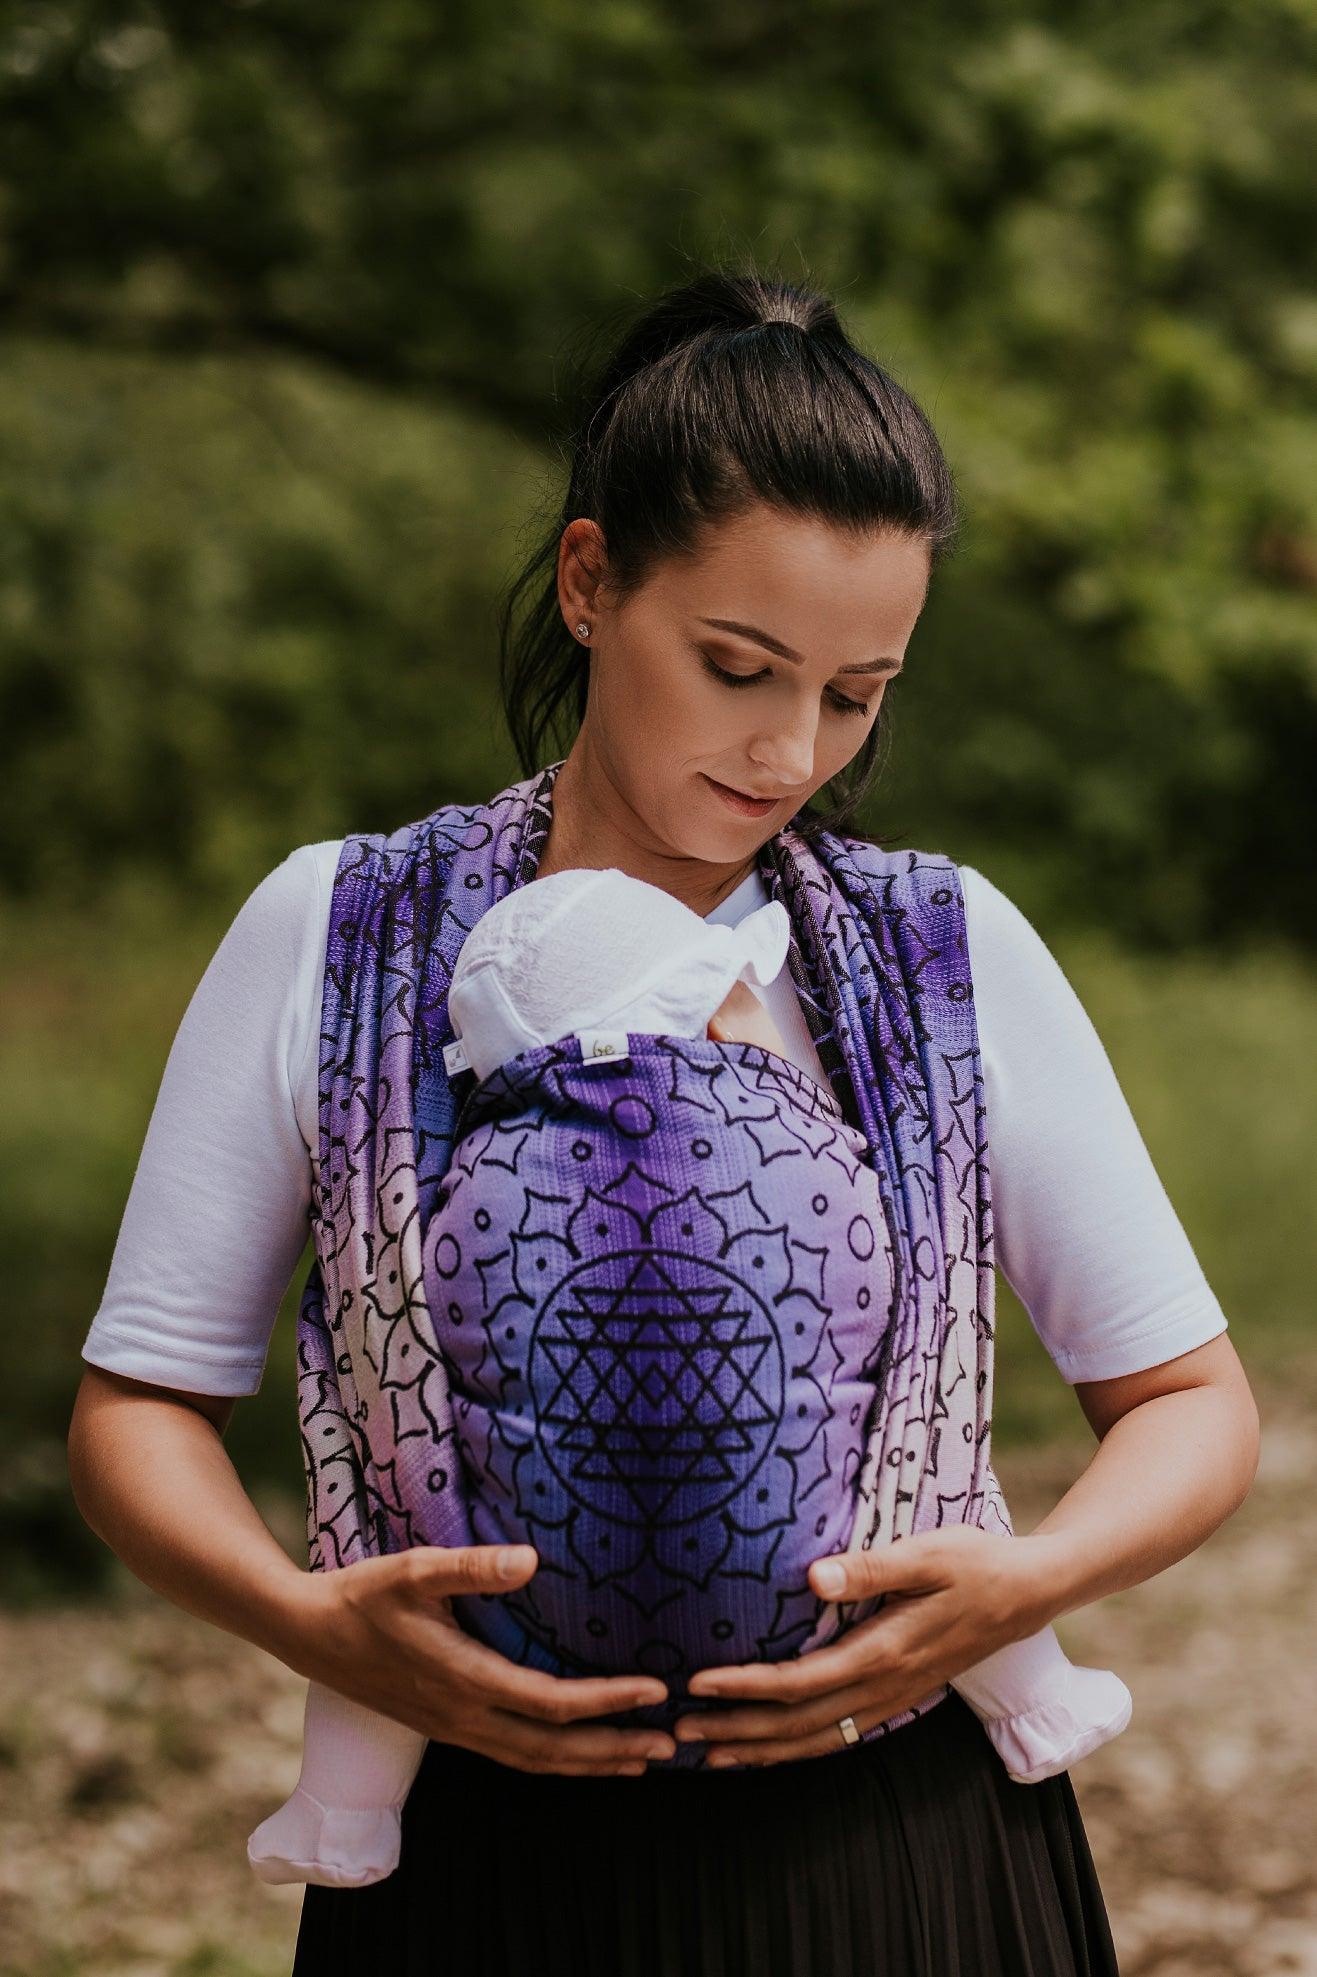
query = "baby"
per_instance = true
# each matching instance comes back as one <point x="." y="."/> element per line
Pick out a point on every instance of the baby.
<point x="651" y="1272"/>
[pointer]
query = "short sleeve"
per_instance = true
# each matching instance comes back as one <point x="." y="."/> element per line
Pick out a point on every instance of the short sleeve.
<point x="219" y="1208"/>
<point x="1085" y="1232"/>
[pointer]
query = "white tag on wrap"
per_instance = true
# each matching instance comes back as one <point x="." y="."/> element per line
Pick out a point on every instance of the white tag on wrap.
<point x="603" y="1043"/>
<point x="455" y="1057"/>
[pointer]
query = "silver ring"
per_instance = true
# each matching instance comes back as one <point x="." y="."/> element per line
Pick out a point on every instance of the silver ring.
<point x="848" y="1730"/>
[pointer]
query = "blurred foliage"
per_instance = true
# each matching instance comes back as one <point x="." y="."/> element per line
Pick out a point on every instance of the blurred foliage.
<point x="286" y="292"/>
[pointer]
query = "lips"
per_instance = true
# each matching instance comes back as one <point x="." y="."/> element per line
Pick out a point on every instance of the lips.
<point x="734" y="795"/>
<point x="736" y="799"/>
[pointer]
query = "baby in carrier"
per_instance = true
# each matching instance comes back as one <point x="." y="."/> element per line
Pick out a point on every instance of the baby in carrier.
<point x="659" y="1275"/>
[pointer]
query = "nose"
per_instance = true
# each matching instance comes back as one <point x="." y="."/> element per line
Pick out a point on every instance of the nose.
<point x="785" y="752"/>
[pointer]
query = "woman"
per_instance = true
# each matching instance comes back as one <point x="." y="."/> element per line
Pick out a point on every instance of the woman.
<point x="753" y="517"/>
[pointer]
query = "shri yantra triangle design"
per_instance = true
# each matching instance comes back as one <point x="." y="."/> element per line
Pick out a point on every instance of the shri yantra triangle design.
<point x="661" y="1338"/>
<point x="668" y="1386"/>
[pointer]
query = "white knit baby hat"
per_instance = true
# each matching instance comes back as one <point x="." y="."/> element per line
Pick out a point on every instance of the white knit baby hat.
<point x="594" y="949"/>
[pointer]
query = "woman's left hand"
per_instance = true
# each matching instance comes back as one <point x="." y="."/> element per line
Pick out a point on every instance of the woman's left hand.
<point x="956" y="1596"/>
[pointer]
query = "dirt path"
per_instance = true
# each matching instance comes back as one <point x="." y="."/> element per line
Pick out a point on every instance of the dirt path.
<point x="139" y="1747"/>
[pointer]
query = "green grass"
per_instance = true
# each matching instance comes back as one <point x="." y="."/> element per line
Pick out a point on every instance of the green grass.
<point x="1213" y="1056"/>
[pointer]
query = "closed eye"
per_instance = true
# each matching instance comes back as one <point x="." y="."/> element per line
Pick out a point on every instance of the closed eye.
<point x="841" y="701"/>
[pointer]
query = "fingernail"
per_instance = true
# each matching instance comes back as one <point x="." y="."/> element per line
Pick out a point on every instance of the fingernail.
<point x="514" y="1560"/>
<point x="830" y="1578"/>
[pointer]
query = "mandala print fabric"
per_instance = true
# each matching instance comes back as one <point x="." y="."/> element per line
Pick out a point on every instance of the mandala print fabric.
<point x="658" y="1286"/>
<point x="680" y="1319"/>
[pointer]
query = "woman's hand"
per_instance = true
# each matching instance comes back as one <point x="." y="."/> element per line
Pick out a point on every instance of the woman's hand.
<point x="956" y="1596"/>
<point x="381" y="1632"/>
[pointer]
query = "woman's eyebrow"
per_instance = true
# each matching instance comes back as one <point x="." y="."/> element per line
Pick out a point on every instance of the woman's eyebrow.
<point x="771" y="644"/>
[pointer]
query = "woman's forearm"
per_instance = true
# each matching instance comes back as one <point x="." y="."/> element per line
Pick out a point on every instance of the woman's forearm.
<point x="1162" y="1479"/>
<point x="152" y="1478"/>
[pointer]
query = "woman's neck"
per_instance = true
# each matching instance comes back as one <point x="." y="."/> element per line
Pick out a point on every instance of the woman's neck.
<point x="592" y="828"/>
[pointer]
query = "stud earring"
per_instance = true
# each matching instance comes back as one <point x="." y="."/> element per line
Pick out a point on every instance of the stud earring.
<point x="583" y="631"/>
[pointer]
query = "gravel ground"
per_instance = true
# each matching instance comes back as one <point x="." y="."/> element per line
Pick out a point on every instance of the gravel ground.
<point x="138" y="1747"/>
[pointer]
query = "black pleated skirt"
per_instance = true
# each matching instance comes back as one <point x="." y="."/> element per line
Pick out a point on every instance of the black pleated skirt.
<point x="912" y="1855"/>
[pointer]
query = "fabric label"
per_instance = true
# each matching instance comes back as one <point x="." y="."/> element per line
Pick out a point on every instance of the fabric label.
<point x="603" y="1043"/>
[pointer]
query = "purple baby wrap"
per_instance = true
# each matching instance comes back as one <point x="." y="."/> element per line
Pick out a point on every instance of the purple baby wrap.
<point x="661" y="1285"/>
<point x="410" y="1417"/>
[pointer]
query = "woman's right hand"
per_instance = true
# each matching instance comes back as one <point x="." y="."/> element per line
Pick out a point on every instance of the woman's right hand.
<point x="381" y="1632"/>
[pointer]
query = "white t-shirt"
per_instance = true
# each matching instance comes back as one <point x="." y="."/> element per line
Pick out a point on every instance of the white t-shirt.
<point x="218" y="1213"/>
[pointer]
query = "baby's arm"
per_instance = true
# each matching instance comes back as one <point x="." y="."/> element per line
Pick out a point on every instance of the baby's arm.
<point x="742" y="1018"/>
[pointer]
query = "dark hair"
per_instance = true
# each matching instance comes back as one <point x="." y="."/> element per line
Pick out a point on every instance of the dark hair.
<point x="732" y="389"/>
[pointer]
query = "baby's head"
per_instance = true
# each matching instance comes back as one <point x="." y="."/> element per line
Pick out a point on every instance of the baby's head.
<point x="593" y="949"/>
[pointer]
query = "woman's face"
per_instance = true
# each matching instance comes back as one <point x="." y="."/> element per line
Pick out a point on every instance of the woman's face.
<point x="756" y="665"/>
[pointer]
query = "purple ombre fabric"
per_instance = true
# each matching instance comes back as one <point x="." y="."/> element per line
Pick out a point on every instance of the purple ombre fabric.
<point x="480" y="1360"/>
<point x="659" y="1286"/>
